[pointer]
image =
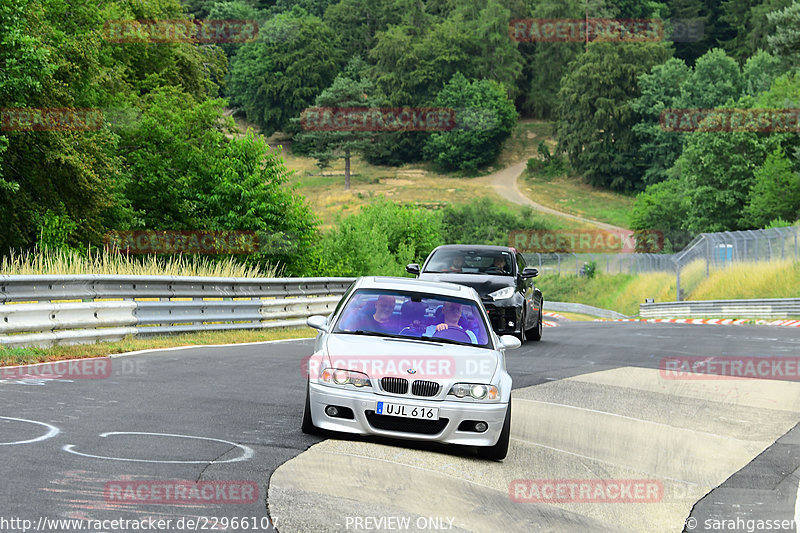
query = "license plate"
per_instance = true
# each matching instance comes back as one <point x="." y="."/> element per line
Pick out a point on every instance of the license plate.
<point x="407" y="411"/>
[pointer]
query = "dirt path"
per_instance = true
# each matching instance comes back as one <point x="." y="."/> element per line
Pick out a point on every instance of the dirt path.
<point x="504" y="183"/>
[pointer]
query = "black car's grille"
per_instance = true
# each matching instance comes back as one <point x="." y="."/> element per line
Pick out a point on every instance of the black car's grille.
<point x="424" y="388"/>
<point x="406" y="425"/>
<point x="499" y="316"/>
<point x="395" y="385"/>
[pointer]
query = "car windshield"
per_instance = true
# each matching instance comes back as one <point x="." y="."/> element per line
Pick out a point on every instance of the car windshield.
<point x="413" y="315"/>
<point x="469" y="262"/>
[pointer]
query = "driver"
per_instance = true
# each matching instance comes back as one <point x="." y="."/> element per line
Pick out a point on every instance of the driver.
<point x="451" y="312"/>
<point x="500" y="263"/>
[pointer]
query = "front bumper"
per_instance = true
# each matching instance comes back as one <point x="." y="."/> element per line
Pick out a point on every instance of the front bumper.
<point x="501" y="315"/>
<point x="365" y="422"/>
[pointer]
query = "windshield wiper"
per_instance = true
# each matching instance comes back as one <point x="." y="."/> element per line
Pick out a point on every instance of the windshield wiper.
<point x="371" y="334"/>
<point x="440" y="339"/>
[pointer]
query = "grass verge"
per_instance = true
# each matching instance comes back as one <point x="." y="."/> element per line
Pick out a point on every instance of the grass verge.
<point x="17" y="356"/>
<point x="571" y="194"/>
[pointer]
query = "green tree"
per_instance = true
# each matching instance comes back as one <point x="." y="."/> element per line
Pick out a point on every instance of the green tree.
<point x="749" y="24"/>
<point x="486" y="222"/>
<point x="718" y="171"/>
<point x="660" y="90"/>
<point x="234" y="10"/>
<point x="329" y="143"/>
<point x="379" y="240"/>
<point x="191" y="175"/>
<point x="273" y="79"/>
<point x="715" y="80"/>
<point x="485" y="118"/>
<point x="785" y="42"/>
<point x="759" y="71"/>
<point x="358" y="21"/>
<point x="595" y="116"/>
<point x="661" y="207"/>
<point x="775" y="192"/>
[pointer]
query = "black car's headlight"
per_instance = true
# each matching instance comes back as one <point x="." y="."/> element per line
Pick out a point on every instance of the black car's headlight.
<point x="337" y="376"/>
<point x="478" y="391"/>
<point x="502" y="294"/>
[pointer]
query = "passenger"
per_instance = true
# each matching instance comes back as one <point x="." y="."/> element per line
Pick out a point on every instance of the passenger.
<point x="457" y="263"/>
<point x="381" y="321"/>
<point x="451" y="312"/>
<point x="412" y="316"/>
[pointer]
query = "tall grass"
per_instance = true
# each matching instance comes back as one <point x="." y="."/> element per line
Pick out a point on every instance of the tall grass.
<point x="102" y="261"/>
<point x="773" y="279"/>
<point x="624" y="292"/>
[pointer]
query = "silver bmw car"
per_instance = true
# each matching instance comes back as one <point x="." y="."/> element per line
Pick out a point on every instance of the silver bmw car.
<point x="411" y="359"/>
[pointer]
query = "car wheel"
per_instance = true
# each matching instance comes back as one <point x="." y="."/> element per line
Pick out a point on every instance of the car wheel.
<point x="308" y="426"/>
<point x="521" y="334"/>
<point x="535" y="334"/>
<point x="499" y="451"/>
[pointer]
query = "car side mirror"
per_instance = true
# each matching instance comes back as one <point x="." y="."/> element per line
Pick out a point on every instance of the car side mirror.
<point x="509" y="342"/>
<point x="413" y="268"/>
<point x="318" y="322"/>
<point x="529" y="272"/>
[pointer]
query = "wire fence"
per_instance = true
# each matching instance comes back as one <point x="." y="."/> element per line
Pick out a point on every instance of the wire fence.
<point x="713" y="250"/>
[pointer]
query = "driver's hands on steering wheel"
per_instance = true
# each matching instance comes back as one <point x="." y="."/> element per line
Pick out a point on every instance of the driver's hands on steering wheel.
<point x="443" y="326"/>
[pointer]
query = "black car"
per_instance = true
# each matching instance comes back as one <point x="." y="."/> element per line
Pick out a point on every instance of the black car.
<point x="500" y="276"/>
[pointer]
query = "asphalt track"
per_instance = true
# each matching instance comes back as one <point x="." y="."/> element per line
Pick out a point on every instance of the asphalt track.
<point x="589" y="404"/>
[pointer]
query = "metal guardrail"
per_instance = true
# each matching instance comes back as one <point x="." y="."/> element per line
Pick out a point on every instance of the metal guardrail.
<point x="48" y="310"/>
<point x="582" y="309"/>
<point x="765" y="308"/>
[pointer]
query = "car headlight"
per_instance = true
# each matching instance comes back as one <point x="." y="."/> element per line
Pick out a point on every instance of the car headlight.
<point x="338" y="376"/>
<point x="502" y="294"/>
<point x="478" y="391"/>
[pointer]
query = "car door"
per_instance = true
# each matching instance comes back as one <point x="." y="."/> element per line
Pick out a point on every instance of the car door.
<point x="525" y="287"/>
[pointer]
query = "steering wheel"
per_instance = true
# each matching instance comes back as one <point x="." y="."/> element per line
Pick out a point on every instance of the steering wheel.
<point x="495" y="270"/>
<point x="454" y="333"/>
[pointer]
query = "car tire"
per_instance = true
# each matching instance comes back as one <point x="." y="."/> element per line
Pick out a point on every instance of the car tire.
<point x="535" y="334"/>
<point x="308" y="426"/>
<point x="521" y="334"/>
<point x="499" y="451"/>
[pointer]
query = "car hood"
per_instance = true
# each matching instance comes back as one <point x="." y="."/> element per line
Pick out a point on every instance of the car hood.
<point x="482" y="283"/>
<point x="381" y="357"/>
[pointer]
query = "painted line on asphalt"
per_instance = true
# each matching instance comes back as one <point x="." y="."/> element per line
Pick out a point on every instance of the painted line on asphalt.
<point x="175" y="348"/>
<point x="248" y="452"/>
<point x="52" y="432"/>
<point x="706" y="321"/>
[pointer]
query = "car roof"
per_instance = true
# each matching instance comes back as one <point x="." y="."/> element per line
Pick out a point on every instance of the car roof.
<point x="475" y="247"/>
<point x="439" y="288"/>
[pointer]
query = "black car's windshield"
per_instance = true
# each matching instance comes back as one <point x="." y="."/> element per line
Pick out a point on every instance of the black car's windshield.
<point x="470" y="262"/>
<point x="413" y="316"/>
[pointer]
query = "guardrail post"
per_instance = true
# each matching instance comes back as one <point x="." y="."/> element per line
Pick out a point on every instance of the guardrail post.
<point x="677" y="281"/>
